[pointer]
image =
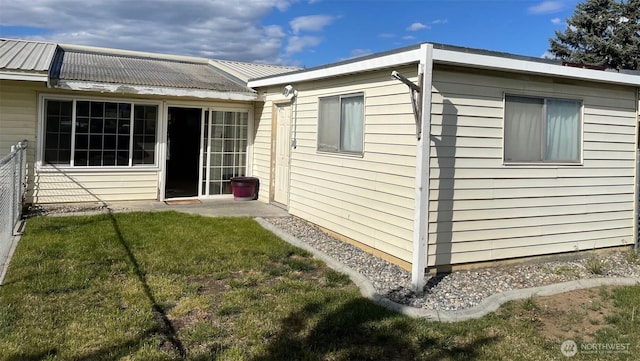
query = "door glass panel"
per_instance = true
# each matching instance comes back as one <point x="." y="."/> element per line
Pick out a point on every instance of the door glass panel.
<point x="225" y="151"/>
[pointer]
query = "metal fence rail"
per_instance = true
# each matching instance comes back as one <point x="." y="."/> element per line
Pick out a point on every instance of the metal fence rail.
<point x="13" y="183"/>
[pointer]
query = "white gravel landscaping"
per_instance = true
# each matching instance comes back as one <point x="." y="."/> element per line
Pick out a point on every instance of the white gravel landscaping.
<point x="460" y="289"/>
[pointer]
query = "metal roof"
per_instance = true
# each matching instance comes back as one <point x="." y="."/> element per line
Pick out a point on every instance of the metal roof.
<point x="246" y="71"/>
<point x="26" y="55"/>
<point x="87" y="66"/>
<point x="20" y="59"/>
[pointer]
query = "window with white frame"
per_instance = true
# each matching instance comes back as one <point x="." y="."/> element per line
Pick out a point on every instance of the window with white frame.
<point x="83" y="133"/>
<point x="341" y="124"/>
<point x="542" y="130"/>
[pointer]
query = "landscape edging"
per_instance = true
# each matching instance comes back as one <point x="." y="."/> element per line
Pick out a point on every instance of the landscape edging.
<point x="488" y="305"/>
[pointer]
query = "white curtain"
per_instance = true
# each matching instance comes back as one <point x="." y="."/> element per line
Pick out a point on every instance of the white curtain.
<point x="352" y="124"/>
<point x="563" y="130"/>
<point x="329" y="124"/>
<point x="523" y="129"/>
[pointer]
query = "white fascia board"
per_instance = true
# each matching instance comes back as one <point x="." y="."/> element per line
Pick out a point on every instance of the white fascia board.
<point x="443" y="56"/>
<point x="150" y="90"/>
<point x="5" y="75"/>
<point x="380" y="62"/>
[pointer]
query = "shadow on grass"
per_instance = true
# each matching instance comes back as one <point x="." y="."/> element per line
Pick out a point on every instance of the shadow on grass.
<point x="165" y="327"/>
<point x="361" y="330"/>
<point x="113" y="352"/>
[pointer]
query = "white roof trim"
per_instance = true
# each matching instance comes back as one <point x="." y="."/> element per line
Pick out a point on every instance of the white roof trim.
<point x="8" y="75"/>
<point x="151" y="90"/>
<point x="531" y="67"/>
<point x="382" y="61"/>
<point x="455" y="57"/>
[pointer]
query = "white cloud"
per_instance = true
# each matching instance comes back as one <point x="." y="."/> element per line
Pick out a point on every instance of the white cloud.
<point x="214" y="28"/>
<point x="556" y="21"/>
<point x="310" y="23"/>
<point x="297" y="44"/>
<point x="387" y="35"/>
<point x="546" y="7"/>
<point x="356" y="53"/>
<point x="548" y="55"/>
<point x="417" y="26"/>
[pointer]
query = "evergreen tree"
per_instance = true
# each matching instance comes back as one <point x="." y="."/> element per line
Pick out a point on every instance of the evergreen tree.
<point x="601" y="32"/>
<point x="628" y="36"/>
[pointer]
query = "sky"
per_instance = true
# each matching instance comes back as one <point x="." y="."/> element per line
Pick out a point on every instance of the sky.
<point x="304" y="33"/>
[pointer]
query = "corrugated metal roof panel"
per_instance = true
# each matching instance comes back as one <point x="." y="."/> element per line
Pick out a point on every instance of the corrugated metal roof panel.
<point x="246" y="71"/>
<point x="73" y="65"/>
<point x="28" y="56"/>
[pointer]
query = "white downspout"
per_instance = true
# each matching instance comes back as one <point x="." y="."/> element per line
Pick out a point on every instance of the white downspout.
<point x="423" y="150"/>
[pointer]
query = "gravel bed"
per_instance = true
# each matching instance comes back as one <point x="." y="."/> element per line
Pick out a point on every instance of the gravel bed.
<point x="459" y="289"/>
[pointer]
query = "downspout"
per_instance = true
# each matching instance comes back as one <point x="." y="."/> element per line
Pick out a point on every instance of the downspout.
<point x="423" y="150"/>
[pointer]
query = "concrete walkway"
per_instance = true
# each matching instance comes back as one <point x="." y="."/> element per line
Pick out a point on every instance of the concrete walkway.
<point x="207" y="207"/>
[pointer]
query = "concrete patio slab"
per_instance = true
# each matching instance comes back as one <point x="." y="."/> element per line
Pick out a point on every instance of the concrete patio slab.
<point x="206" y="207"/>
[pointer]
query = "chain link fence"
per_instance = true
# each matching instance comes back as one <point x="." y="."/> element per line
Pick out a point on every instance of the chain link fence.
<point x="13" y="183"/>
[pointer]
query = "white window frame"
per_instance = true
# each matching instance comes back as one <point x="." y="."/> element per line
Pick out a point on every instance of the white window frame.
<point x="42" y="166"/>
<point x="543" y="162"/>
<point x="341" y="151"/>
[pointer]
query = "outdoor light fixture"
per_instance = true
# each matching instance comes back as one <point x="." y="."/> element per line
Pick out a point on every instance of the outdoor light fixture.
<point x="289" y="90"/>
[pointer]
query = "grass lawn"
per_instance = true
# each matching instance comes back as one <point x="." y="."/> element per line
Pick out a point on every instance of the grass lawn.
<point x="171" y="286"/>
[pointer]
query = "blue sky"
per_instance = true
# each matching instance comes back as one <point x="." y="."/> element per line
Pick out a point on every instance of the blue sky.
<point x="288" y="32"/>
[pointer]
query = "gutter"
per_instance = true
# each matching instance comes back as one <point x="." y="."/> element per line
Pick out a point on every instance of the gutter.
<point x="423" y="163"/>
<point x="9" y="75"/>
<point x="151" y="90"/>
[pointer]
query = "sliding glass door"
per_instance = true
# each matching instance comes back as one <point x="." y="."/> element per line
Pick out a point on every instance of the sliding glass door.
<point x="223" y="150"/>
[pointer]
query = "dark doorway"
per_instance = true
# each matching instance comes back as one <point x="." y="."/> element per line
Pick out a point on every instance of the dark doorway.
<point x="183" y="143"/>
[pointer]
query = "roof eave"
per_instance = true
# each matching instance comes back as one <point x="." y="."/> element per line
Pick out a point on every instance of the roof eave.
<point x="17" y="75"/>
<point x="482" y="61"/>
<point x="449" y="56"/>
<point x="385" y="60"/>
<point x="152" y="90"/>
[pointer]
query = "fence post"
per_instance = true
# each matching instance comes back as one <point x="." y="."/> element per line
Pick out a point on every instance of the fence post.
<point x="22" y="167"/>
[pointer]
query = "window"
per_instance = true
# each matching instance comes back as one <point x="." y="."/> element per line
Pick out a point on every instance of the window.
<point x="341" y="124"/>
<point x="542" y="130"/>
<point x="102" y="133"/>
<point x="57" y="143"/>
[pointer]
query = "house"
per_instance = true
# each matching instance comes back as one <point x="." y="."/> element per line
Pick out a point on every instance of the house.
<point x="109" y="125"/>
<point x="428" y="156"/>
<point x="435" y="155"/>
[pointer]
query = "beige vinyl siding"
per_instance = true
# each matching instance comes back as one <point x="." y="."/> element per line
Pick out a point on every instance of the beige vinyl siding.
<point x="19" y="119"/>
<point x="482" y="209"/>
<point x="78" y="186"/>
<point x="261" y="162"/>
<point x="367" y="198"/>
